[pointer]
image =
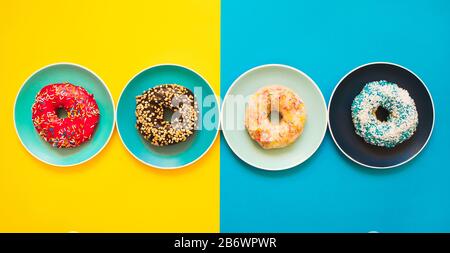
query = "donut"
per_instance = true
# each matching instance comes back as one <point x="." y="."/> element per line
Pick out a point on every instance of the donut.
<point x="402" y="119"/>
<point x="270" y="134"/>
<point x="79" y="123"/>
<point x="152" y="106"/>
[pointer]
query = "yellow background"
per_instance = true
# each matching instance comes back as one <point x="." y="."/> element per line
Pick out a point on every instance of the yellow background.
<point x="113" y="192"/>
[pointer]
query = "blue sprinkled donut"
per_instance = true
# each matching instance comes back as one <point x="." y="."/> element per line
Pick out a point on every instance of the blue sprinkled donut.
<point x="401" y="122"/>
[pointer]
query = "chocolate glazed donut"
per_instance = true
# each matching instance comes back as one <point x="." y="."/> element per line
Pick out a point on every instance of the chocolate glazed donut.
<point x="155" y="104"/>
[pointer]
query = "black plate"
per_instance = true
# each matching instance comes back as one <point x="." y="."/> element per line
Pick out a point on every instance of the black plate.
<point x="341" y="125"/>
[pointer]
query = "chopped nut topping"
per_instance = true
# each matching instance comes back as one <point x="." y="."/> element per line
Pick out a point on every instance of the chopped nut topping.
<point x="150" y="107"/>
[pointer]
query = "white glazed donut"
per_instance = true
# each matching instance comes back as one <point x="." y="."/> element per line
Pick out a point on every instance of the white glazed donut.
<point x="271" y="99"/>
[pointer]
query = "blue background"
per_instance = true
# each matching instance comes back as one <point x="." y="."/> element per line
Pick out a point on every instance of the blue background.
<point x="329" y="193"/>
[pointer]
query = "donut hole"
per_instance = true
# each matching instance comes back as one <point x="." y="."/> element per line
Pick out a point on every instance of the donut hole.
<point x="382" y="114"/>
<point x="168" y="114"/>
<point x="61" y="112"/>
<point x="275" y="117"/>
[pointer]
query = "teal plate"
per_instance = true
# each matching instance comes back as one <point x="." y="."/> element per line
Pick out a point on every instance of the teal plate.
<point x="233" y="115"/>
<point x="57" y="73"/>
<point x="180" y="154"/>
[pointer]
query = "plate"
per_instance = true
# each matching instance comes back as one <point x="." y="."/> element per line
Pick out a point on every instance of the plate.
<point x="180" y="154"/>
<point x="233" y="115"/>
<point x="57" y="73"/>
<point x="341" y="125"/>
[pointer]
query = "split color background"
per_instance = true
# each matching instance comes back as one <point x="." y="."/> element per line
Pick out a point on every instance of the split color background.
<point x="325" y="39"/>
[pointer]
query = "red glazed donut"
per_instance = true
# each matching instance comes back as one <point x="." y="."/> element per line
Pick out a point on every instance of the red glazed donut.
<point x="82" y="115"/>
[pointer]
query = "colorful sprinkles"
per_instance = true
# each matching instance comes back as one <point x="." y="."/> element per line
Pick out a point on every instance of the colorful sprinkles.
<point x="262" y="129"/>
<point x="79" y="124"/>
<point x="402" y="120"/>
<point x="150" y="110"/>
